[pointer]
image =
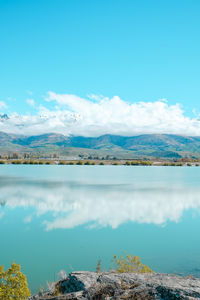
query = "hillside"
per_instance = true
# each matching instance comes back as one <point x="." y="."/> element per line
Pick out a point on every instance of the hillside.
<point x="146" y="145"/>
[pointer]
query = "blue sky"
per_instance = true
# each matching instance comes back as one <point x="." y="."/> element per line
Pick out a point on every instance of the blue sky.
<point x="138" y="50"/>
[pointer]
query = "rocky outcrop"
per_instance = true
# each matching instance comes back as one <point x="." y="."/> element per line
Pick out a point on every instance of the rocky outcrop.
<point x="89" y="285"/>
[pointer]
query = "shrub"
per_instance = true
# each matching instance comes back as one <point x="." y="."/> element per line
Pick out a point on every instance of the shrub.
<point x="48" y="163"/>
<point x="173" y="164"/>
<point x="16" y="162"/>
<point x="135" y="163"/>
<point x="79" y="162"/>
<point x="101" y="163"/>
<point x="41" y="162"/>
<point x="130" y="264"/>
<point x="87" y="163"/>
<point x="2" y="162"/>
<point x="146" y="163"/>
<point x="61" y="163"/>
<point x="13" y="283"/>
<point x="127" y="163"/>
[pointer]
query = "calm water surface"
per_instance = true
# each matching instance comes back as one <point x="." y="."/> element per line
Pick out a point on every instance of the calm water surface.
<point x="68" y="217"/>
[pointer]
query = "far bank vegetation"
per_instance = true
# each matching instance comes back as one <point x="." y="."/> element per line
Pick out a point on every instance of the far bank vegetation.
<point x="54" y="159"/>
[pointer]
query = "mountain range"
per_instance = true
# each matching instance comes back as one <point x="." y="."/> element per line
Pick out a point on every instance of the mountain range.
<point x="146" y="145"/>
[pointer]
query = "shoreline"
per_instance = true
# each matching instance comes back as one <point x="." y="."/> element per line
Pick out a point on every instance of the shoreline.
<point x="99" y="162"/>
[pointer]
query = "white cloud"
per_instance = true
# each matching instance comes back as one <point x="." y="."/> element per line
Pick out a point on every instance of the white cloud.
<point x="2" y="104"/>
<point x="31" y="102"/>
<point x="89" y="117"/>
<point x="95" y="97"/>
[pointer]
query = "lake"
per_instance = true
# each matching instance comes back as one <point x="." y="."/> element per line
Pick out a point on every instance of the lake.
<point x="68" y="217"/>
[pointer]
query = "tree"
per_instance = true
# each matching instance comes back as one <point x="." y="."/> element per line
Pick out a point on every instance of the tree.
<point x="15" y="155"/>
<point x="13" y="284"/>
<point x="130" y="264"/>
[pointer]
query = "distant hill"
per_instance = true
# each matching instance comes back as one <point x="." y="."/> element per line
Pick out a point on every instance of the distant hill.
<point x="146" y="145"/>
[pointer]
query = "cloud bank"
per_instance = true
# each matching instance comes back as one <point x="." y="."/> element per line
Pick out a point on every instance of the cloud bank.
<point x="98" y="115"/>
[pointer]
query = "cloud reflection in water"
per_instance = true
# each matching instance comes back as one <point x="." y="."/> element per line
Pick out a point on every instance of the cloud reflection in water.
<point x="72" y="204"/>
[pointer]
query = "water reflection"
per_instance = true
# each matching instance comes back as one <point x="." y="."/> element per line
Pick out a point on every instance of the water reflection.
<point x="70" y="204"/>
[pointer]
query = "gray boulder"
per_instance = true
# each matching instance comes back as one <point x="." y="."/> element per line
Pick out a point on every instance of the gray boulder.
<point x="95" y="286"/>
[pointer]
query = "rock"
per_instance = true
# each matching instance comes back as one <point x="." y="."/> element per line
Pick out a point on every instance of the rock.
<point x="96" y="286"/>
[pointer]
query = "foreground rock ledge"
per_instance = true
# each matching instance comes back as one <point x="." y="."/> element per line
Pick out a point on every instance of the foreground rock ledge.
<point x="90" y="285"/>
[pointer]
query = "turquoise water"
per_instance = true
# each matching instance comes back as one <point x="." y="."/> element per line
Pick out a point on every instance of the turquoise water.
<point x="68" y="217"/>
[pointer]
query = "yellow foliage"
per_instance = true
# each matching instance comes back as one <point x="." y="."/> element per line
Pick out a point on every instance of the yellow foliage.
<point x="13" y="284"/>
<point x="130" y="264"/>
